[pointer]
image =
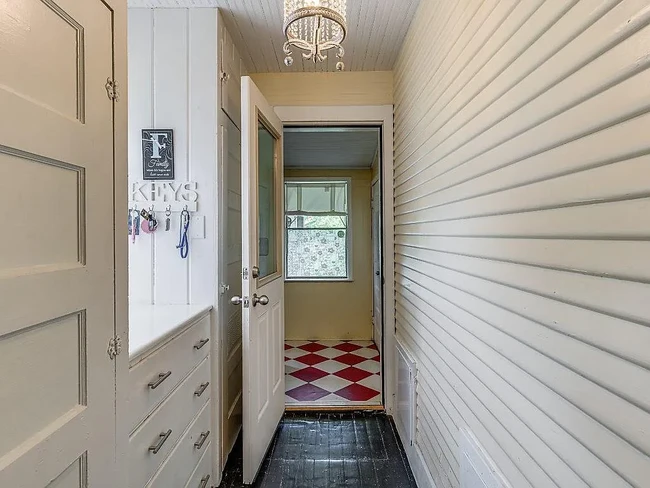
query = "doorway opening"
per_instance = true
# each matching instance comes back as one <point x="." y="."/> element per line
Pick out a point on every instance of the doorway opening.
<point x="333" y="267"/>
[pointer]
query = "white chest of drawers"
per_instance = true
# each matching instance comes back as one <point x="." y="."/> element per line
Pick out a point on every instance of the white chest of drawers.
<point x="170" y="444"/>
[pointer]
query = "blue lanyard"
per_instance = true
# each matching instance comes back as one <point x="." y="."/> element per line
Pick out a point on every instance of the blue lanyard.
<point x="183" y="243"/>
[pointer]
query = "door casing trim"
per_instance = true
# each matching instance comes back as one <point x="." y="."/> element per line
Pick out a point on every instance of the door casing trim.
<point x="376" y="115"/>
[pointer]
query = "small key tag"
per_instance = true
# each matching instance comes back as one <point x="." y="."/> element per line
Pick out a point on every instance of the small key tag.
<point x="149" y="226"/>
<point x="145" y="214"/>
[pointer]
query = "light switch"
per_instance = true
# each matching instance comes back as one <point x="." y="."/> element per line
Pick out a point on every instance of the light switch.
<point x="197" y="227"/>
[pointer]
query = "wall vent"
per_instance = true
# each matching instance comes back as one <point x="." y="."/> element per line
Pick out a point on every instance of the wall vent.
<point x="405" y="417"/>
<point x="477" y="470"/>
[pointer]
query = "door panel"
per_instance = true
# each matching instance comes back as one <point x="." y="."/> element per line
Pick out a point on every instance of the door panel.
<point x="263" y="321"/>
<point x="57" y="269"/>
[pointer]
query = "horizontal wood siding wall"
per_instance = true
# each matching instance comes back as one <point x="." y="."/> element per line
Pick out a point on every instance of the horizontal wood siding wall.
<point x="522" y="227"/>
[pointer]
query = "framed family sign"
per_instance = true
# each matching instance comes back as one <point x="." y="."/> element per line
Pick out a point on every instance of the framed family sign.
<point x="157" y="154"/>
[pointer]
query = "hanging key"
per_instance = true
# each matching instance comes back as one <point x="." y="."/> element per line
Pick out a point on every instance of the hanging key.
<point x="168" y="220"/>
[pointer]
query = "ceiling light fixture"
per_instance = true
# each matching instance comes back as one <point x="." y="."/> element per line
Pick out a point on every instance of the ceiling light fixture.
<point x="314" y="27"/>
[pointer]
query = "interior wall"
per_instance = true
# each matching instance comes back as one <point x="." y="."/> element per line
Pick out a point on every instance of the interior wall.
<point x="324" y="88"/>
<point x="172" y="55"/>
<point x="521" y="226"/>
<point x="336" y="310"/>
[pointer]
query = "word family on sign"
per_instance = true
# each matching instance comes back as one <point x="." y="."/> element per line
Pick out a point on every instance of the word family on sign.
<point x="162" y="196"/>
<point x="157" y="154"/>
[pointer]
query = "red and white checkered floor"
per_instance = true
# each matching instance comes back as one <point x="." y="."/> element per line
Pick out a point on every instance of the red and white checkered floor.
<point x="332" y="373"/>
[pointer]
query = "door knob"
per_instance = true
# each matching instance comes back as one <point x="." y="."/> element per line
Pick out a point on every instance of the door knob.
<point x="263" y="300"/>
<point x="256" y="271"/>
<point x="236" y="300"/>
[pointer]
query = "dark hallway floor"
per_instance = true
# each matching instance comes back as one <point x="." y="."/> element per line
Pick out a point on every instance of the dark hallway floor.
<point x="328" y="450"/>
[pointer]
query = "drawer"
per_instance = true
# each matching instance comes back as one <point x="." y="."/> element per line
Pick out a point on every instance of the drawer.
<point x="152" y="379"/>
<point x="194" y="445"/>
<point x="202" y="474"/>
<point x="174" y="414"/>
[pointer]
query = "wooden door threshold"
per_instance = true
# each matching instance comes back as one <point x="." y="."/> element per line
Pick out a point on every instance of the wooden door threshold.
<point x="334" y="408"/>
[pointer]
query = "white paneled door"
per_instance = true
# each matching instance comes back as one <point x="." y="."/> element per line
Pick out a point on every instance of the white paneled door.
<point x="57" y="381"/>
<point x="262" y="276"/>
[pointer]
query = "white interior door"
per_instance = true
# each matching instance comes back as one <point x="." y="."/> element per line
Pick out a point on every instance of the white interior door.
<point x="377" y="278"/>
<point x="262" y="276"/>
<point x="57" y="381"/>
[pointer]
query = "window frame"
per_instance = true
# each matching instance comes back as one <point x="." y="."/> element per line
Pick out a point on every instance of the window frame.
<point x="349" y="238"/>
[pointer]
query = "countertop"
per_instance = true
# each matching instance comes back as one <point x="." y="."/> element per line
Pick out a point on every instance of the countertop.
<point x="152" y="325"/>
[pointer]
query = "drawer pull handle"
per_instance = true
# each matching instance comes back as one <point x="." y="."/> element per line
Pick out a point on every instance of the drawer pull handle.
<point x="201" y="389"/>
<point x="161" y="377"/>
<point x="163" y="438"/>
<point x="204" y="437"/>
<point x="201" y="343"/>
<point x="204" y="482"/>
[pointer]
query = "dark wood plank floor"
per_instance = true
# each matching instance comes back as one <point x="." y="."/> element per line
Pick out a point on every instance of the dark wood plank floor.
<point x="328" y="450"/>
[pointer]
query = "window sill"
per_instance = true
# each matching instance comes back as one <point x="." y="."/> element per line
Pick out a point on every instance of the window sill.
<point x="318" y="280"/>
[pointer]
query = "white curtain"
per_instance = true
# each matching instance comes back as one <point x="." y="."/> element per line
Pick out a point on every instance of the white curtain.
<point x="316" y="197"/>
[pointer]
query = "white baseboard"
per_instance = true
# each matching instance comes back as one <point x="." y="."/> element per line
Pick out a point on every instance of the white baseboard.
<point x="420" y="470"/>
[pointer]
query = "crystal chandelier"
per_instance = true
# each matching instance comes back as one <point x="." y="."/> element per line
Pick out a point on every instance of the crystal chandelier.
<point x="314" y="27"/>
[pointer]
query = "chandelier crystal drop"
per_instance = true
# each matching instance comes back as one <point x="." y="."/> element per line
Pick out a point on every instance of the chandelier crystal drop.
<point x="314" y="27"/>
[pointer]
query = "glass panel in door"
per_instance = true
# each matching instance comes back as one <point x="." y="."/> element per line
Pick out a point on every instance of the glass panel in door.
<point x="268" y="234"/>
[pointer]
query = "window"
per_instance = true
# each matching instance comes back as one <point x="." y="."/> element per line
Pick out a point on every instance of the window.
<point x="317" y="229"/>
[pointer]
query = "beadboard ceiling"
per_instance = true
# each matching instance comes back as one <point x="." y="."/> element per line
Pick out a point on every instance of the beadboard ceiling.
<point x="376" y="30"/>
<point x="353" y="147"/>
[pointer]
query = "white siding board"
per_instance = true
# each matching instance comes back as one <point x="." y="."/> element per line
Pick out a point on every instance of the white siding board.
<point x="470" y="411"/>
<point x="590" y="152"/>
<point x="140" y="34"/>
<point x="486" y="387"/>
<point x="617" y="104"/>
<point x="623" y="260"/>
<point x="520" y="334"/>
<point x="626" y="180"/>
<point x="620" y="298"/>
<point x="521" y="229"/>
<point x="535" y="32"/>
<point x="625" y="339"/>
<point x="569" y="116"/>
<point x="490" y="389"/>
<point x="462" y="54"/>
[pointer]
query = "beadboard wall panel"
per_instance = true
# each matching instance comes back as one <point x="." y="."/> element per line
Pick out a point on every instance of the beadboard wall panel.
<point x="522" y="164"/>
<point x="173" y="85"/>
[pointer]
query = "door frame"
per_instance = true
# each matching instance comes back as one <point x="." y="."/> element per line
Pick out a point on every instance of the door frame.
<point x="382" y="116"/>
<point x="377" y="180"/>
<point x="120" y="204"/>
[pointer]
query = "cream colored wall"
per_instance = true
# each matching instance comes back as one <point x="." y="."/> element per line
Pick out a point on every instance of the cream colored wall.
<point x="522" y="203"/>
<point x="346" y="88"/>
<point x="337" y="310"/>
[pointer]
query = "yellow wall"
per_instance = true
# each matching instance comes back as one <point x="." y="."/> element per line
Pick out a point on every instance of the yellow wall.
<point x="337" y="310"/>
<point x="346" y="88"/>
